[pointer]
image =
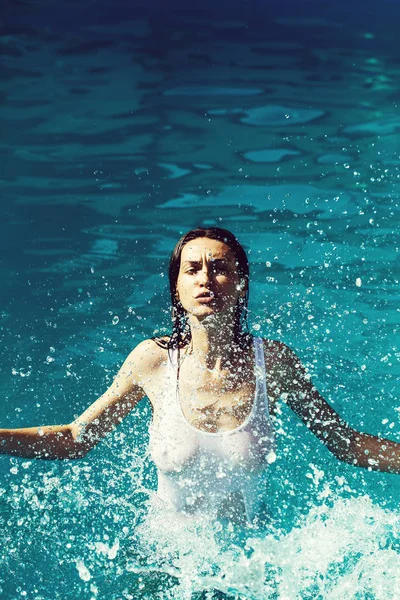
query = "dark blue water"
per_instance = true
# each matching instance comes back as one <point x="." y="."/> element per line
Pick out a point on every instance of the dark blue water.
<point x="124" y="125"/>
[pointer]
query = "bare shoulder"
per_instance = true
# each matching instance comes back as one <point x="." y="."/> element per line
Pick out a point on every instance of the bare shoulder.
<point x="283" y="367"/>
<point x="147" y="356"/>
<point x="148" y="363"/>
<point x="278" y="351"/>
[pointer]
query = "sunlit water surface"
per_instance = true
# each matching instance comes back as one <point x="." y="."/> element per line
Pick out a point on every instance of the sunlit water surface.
<point x="122" y="128"/>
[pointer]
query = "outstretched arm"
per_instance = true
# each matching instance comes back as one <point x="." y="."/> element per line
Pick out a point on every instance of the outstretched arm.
<point x="347" y="444"/>
<point x="77" y="438"/>
<point x="49" y="441"/>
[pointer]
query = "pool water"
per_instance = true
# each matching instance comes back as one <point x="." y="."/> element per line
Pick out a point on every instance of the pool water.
<point x="124" y="125"/>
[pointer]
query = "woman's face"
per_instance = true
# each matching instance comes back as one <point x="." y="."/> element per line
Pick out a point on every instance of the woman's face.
<point x="208" y="280"/>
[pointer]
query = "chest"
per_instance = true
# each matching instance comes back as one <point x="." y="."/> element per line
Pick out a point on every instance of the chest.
<point x="215" y="400"/>
<point x="212" y="400"/>
<point x="222" y="430"/>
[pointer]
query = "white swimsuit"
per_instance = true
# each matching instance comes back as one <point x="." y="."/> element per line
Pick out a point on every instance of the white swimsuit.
<point x="221" y="473"/>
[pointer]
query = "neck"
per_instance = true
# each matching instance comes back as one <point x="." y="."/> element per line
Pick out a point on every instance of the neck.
<point x="213" y="342"/>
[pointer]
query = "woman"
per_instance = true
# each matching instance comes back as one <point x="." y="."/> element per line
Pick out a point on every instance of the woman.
<point x="212" y="388"/>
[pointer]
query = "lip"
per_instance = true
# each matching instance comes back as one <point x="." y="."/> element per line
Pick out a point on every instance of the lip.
<point x="205" y="299"/>
<point x="207" y="294"/>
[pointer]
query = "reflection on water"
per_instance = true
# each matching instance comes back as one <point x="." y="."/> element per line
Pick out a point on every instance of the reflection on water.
<point x="124" y="126"/>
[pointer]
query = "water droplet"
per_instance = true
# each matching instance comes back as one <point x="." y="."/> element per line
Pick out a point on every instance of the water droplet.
<point x="115" y="320"/>
<point x="83" y="571"/>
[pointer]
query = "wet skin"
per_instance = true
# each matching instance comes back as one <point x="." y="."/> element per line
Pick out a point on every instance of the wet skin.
<point x="216" y="378"/>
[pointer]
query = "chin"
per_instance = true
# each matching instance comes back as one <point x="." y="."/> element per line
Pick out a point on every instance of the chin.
<point x="210" y="311"/>
<point x="205" y="312"/>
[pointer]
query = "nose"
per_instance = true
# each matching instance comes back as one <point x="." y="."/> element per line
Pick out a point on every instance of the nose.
<point x="204" y="276"/>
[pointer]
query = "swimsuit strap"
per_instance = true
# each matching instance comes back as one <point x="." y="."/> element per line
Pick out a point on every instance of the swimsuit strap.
<point x="259" y="353"/>
<point x="260" y="370"/>
<point x="172" y="359"/>
<point x="173" y="372"/>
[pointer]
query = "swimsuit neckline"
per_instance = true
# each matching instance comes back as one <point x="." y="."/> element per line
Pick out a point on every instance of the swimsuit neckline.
<point x="227" y="431"/>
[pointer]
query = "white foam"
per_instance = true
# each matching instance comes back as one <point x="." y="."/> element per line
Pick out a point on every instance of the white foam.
<point x="337" y="551"/>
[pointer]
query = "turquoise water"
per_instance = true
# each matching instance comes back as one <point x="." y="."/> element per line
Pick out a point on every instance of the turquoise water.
<point x="123" y="126"/>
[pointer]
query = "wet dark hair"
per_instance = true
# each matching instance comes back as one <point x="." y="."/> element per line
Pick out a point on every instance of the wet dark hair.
<point x="181" y="334"/>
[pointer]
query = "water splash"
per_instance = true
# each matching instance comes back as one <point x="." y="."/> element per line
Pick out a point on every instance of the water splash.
<point x="347" y="549"/>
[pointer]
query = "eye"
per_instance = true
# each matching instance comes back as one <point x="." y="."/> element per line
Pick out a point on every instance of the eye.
<point x="220" y="269"/>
